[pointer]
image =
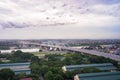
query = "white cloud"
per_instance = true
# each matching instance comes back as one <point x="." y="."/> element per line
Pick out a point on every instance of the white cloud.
<point x="53" y="12"/>
<point x="67" y="16"/>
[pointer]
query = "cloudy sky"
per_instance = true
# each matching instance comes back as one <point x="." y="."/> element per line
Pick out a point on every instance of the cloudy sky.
<point x="51" y="19"/>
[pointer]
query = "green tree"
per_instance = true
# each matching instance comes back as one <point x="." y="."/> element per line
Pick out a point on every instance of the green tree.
<point x="34" y="59"/>
<point x="6" y="74"/>
<point x="58" y="77"/>
<point x="67" y="61"/>
<point x="19" y="76"/>
<point x="69" y="75"/>
<point x="44" y="69"/>
<point x="35" y="68"/>
<point x="49" y="76"/>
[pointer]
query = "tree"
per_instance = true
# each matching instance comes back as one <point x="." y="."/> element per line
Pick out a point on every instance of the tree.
<point x="69" y="75"/>
<point x="19" y="76"/>
<point x="44" y="69"/>
<point x="67" y="61"/>
<point x="18" y="53"/>
<point x="49" y="75"/>
<point x="58" y="77"/>
<point x="34" y="59"/>
<point x="35" y="68"/>
<point x="6" y="74"/>
<point x="20" y="56"/>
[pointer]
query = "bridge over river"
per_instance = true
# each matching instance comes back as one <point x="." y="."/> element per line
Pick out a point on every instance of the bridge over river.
<point x="85" y="51"/>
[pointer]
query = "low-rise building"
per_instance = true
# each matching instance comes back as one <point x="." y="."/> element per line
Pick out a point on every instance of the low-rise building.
<point x="98" y="76"/>
<point x="17" y="67"/>
<point x="103" y="66"/>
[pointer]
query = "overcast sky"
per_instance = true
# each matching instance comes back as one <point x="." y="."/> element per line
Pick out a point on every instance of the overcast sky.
<point x="51" y="19"/>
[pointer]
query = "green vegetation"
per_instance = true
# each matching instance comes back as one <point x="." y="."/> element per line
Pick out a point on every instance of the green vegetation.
<point x="45" y="53"/>
<point x="6" y="74"/>
<point x="18" y="56"/>
<point x="50" y="66"/>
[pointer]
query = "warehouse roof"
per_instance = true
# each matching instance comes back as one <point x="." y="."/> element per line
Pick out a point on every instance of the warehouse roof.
<point x="100" y="76"/>
<point x="103" y="66"/>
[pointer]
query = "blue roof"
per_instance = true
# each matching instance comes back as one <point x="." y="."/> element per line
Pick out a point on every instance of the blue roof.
<point x="15" y="64"/>
<point x="22" y="70"/>
<point x="17" y="67"/>
<point x="103" y="66"/>
<point x="100" y="76"/>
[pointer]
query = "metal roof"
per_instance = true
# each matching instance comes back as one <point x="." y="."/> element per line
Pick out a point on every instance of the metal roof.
<point x="17" y="67"/>
<point x="103" y="66"/>
<point x="15" y="64"/>
<point x="100" y="76"/>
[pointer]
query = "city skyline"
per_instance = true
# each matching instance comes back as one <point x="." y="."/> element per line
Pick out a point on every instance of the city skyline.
<point x="53" y="19"/>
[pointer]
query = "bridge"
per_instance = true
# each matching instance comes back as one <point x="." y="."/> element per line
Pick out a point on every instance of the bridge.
<point x="92" y="52"/>
<point x="85" y="51"/>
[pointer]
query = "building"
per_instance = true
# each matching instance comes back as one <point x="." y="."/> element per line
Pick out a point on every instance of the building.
<point x="17" y="67"/>
<point x="26" y="79"/>
<point x="103" y="66"/>
<point x="98" y="76"/>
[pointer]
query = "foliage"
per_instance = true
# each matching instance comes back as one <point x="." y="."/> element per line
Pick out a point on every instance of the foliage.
<point x="6" y="74"/>
<point x="35" y="68"/>
<point x="49" y="75"/>
<point x="18" y="56"/>
<point x="49" y="67"/>
<point x="58" y="77"/>
<point x="19" y="76"/>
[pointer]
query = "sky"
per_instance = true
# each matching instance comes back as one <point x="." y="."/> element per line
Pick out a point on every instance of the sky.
<point x="59" y="19"/>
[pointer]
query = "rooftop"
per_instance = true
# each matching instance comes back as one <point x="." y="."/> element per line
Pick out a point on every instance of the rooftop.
<point x="17" y="67"/>
<point x="103" y="66"/>
<point x="15" y="64"/>
<point x="100" y="76"/>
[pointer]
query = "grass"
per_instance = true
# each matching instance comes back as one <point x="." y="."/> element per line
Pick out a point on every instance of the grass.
<point x="42" y="54"/>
